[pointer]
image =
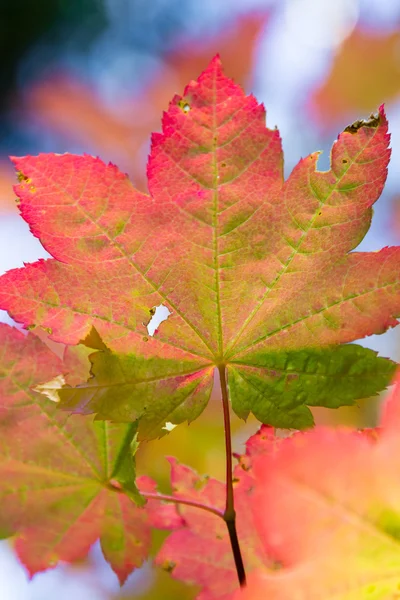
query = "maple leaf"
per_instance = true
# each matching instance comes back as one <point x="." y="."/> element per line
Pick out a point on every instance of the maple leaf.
<point x="64" y="480"/>
<point x="364" y="56"/>
<point x="199" y="553"/>
<point x="326" y="504"/>
<point x="258" y="274"/>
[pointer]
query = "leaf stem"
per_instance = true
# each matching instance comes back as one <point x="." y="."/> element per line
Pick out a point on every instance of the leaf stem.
<point x="175" y="500"/>
<point x="230" y="514"/>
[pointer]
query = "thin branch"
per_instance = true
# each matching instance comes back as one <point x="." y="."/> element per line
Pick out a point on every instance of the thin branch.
<point x="230" y="514"/>
<point x="175" y="500"/>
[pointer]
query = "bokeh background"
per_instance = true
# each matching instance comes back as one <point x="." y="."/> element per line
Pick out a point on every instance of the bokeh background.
<point x="95" y="75"/>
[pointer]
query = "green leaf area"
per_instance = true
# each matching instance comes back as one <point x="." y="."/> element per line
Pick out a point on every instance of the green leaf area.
<point x="274" y="387"/>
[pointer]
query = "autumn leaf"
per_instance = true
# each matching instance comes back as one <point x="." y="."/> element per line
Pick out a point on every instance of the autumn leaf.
<point x="326" y="505"/>
<point x="258" y="274"/>
<point x="365" y="56"/>
<point x="65" y="481"/>
<point x="199" y="553"/>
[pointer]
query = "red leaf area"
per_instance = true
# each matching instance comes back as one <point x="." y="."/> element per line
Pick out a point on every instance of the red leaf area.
<point x="254" y="270"/>
<point x="200" y="552"/>
<point x="318" y="517"/>
<point x="58" y="489"/>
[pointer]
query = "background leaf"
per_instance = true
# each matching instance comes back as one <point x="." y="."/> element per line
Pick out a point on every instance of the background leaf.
<point x="304" y="503"/>
<point x="326" y="505"/>
<point x="200" y="552"/>
<point x="367" y="54"/>
<point x="62" y="476"/>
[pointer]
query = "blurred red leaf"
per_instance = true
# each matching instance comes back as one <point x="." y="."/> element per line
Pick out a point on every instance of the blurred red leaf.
<point x="327" y="506"/>
<point x="365" y="72"/>
<point x="318" y="517"/>
<point x="200" y="552"/>
<point x="8" y="202"/>
<point x="59" y="474"/>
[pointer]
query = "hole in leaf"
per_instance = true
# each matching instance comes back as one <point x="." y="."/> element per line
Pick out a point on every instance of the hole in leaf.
<point x="50" y="388"/>
<point x="323" y="162"/>
<point x="184" y="106"/>
<point x="169" y="426"/>
<point x="158" y="314"/>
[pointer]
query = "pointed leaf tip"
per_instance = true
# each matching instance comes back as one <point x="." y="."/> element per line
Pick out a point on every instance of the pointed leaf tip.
<point x="215" y="64"/>
<point x="216" y="60"/>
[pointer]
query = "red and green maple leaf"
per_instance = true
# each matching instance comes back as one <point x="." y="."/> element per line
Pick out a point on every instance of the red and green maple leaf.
<point x="258" y="273"/>
<point x="65" y="480"/>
